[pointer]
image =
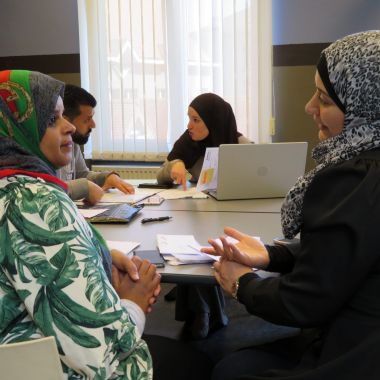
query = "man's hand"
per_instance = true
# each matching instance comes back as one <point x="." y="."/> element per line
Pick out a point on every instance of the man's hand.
<point x="114" y="181"/>
<point x="95" y="193"/>
<point x="178" y="174"/>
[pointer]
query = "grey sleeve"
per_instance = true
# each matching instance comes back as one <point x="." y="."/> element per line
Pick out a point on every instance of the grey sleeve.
<point x="78" y="188"/>
<point x="244" y="140"/>
<point x="163" y="175"/>
<point x="82" y="171"/>
<point x="98" y="177"/>
<point x="80" y="168"/>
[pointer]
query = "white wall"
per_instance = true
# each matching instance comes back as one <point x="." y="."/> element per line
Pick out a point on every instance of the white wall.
<point x="313" y="21"/>
<point x="38" y="27"/>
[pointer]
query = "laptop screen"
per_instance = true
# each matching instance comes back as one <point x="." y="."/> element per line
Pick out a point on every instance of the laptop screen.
<point x="248" y="171"/>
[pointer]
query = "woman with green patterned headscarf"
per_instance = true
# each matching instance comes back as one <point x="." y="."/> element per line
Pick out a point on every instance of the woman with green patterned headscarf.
<point x="52" y="281"/>
<point x="55" y="269"/>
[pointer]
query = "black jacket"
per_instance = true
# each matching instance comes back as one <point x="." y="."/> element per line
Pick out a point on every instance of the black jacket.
<point x="332" y="280"/>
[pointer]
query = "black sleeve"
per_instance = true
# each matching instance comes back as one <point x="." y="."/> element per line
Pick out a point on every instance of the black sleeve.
<point x="339" y="248"/>
<point x="281" y="258"/>
<point x="185" y="149"/>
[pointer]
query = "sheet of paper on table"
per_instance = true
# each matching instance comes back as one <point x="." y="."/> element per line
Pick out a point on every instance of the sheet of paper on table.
<point x="181" y="194"/>
<point x="181" y="249"/>
<point x="90" y="212"/>
<point x="126" y="247"/>
<point x="116" y="196"/>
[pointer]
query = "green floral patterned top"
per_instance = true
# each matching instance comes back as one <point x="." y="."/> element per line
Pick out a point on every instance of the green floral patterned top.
<point x="52" y="283"/>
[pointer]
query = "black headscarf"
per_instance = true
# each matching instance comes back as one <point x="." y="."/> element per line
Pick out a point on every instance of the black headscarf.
<point x="219" y="118"/>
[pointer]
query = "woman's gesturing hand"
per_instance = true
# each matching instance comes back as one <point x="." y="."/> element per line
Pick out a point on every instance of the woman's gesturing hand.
<point x="247" y="251"/>
<point x="178" y="174"/>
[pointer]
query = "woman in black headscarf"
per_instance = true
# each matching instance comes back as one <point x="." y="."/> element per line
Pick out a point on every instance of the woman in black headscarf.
<point x="211" y="123"/>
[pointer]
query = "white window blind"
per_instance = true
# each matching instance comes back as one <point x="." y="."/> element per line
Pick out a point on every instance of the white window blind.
<point x="145" y="60"/>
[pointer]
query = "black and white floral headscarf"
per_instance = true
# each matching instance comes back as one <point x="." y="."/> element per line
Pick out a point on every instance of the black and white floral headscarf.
<point x="352" y="79"/>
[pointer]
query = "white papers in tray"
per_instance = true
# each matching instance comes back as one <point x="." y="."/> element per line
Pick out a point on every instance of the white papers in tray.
<point x="91" y="212"/>
<point x="181" y="249"/>
<point x="116" y="196"/>
<point x="181" y="194"/>
<point x="124" y="246"/>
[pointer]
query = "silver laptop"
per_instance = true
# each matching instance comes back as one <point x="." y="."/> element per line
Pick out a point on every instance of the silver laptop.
<point x="247" y="171"/>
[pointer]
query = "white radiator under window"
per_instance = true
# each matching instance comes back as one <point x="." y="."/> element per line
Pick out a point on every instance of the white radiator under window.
<point x="129" y="172"/>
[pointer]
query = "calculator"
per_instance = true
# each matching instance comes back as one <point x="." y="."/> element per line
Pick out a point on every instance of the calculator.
<point x="153" y="200"/>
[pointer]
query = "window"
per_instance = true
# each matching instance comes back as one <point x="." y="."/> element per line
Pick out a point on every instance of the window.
<point x="145" y="60"/>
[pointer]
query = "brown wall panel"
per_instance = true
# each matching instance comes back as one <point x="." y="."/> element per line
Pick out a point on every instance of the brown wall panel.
<point x="54" y="63"/>
<point x="293" y="87"/>
<point x="297" y="54"/>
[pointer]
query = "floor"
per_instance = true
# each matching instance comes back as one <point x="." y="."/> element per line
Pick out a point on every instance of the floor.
<point x="243" y="329"/>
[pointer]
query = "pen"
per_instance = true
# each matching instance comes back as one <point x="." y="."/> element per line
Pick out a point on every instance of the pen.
<point x="160" y="219"/>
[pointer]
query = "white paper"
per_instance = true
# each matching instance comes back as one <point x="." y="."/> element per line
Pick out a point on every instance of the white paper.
<point x="181" y="194"/>
<point x="90" y="212"/>
<point x="183" y="248"/>
<point x="124" y="246"/>
<point x="208" y="178"/>
<point x="116" y="196"/>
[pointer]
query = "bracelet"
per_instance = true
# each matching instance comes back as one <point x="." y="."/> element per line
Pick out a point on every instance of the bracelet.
<point x="235" y="289"/>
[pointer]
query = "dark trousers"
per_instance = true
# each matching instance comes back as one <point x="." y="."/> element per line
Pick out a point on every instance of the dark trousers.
<point x="177" y="360"/>
<point x="282" y="355"/>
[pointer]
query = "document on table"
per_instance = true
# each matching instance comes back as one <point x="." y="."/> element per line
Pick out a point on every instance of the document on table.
<point x="126" y="247"/>
<point x="181" y="194"/>
<point x="116" y="196"/>
<point x="181" y="249"/>
<point x="91" y="212"/>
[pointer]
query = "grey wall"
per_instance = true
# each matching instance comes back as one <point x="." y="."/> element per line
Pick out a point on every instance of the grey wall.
<point x="313" y="21"/>
<point x="300" y="29"/>
<point x="43" y="35"/>
<point x="38" y="27"/>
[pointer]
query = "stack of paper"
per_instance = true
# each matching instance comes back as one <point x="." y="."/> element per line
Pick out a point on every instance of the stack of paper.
<point x="181" y="249"/>
<point x="116" y="196"/>
<point x="126" y="247"/>
<point x="181" y="194"/>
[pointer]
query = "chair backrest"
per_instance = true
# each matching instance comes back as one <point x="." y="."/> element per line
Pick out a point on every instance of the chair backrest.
<point x="33" y="360"/>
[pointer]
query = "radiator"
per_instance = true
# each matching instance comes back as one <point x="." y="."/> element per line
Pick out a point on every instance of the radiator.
<point x="130" y="171"/>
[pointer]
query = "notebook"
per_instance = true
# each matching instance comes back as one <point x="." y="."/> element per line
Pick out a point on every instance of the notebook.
<point x="111" y="213"/>
<point x="247" y="171"/>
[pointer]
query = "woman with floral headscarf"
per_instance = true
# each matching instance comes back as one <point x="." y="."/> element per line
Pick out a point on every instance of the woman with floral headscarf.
<point x="55" y="269"/>
<point x="330" y="280"/>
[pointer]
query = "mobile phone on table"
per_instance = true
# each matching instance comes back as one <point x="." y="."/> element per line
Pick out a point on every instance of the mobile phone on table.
<point x="153" y="255"/>
<point x="155" y="186"/>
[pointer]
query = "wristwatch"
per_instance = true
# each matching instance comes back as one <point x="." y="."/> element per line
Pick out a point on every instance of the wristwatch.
<point x="235" y="288"/>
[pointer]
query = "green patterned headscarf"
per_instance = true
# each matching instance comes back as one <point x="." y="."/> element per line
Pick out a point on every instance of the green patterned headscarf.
<point x="27" y="103"/>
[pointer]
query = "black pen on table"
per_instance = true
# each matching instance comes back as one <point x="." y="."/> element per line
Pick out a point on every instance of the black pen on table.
<point x="159" y="219"/>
